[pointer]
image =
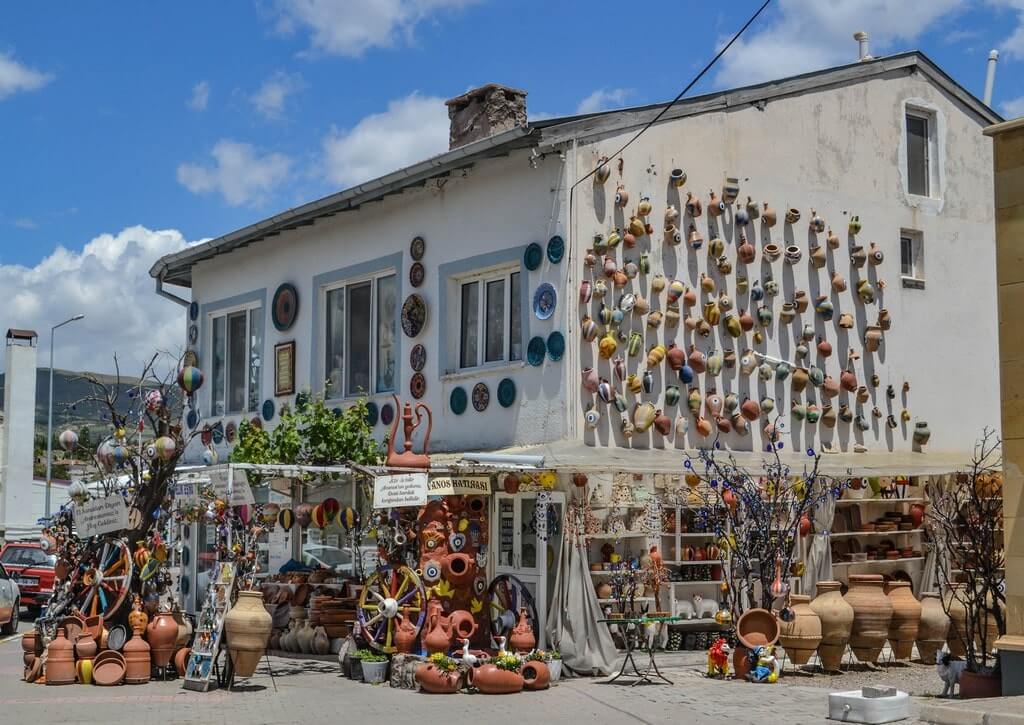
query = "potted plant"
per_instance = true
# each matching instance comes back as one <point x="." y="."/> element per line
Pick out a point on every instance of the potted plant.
<point x="375" y="667"/>
<point x="439" y="674"/>
<point x="500" y="676"/>
<point x="555" y="664"/>
<point x="356" y="665"/>
<point x="536" y="675"/>
<point x="965" y="522"/>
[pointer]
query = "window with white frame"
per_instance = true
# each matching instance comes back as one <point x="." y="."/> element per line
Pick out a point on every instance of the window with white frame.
<point x="360" y="336"/>
<point x="490" y="325"/>
<point x="920" y="142"/>
<point x="911" y="255"/>
<point x="236" y="342"/>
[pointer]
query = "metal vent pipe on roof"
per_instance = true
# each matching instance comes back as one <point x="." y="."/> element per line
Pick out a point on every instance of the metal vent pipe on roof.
<point x="990" y="76"/>
<point x="862" y="42"/>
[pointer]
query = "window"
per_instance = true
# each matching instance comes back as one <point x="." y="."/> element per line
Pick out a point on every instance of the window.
<point x="237" y="344"/>
<point x="361" y="337"/>
<point x="490" y="325"/>
<point x="918" y="153"/>
<point x="912" y="257"/>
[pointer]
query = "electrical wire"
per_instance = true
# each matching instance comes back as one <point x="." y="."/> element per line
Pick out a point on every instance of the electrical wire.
<point x="682" y="93"/>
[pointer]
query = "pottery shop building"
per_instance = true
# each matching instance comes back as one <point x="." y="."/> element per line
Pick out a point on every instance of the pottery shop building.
<point x="523" y="287"/>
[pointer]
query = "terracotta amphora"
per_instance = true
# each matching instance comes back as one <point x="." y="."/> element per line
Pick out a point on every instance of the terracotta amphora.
<point x="437" y="638"/>
<point x="836" y="617"/>
<point x="405" y="634"/>
<point x="872" y="613"/>
<point x="906" y="618"/>
<point x="60" y="661"/>
<point x="801" y="635"/>
<point x="162" y="632"/>
<point x="137" y="656"/>
<point x="934" y="627"/>
<point x="247" y="626"/>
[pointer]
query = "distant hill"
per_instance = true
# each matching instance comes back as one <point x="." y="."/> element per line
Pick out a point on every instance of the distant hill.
<point x="68" y="389"/>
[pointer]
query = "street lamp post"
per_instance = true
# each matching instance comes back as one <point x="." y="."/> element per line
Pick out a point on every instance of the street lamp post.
<point x="49" y="417"/>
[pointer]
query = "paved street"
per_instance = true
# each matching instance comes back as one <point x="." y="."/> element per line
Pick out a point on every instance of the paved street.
<point x="313" y="691"/>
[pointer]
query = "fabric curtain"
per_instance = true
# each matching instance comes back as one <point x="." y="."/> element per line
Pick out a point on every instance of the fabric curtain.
<point x="818" y="562"/>
<point x="572" y="624"/>
<point x="935" y="548"/>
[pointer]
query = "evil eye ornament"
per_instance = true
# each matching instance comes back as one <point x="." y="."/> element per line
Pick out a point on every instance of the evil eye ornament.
<point x="432" y="572"/>
<point x="479" y="585"/>
<point x="457" y="542"/>
<point x="431" y="544"/>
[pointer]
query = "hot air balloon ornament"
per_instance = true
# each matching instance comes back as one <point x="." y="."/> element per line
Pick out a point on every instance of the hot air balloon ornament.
<point x="155" y="399"/>
<point x="68" y="439"/>
<point x="190" y="379"/>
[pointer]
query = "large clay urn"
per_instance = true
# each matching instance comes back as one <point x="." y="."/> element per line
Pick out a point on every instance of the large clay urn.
<point x="836" y="617"/>
<point x="136" y="659"/>
<point x="161" y="634"/>
<point x="522" y="639"/>
<point x="872" y="612"/>
<point x="433" y="679"/>
<point x="247" y="626"/>
<point x="906" y="618"/>
<point x="86" y="647"/>
<point x="800" y="636"/>
<point x="60" y="661"/>
<point x="536" y="675"/>
<point x="405" y="633"/>
<point x="492" y="680"/>
<point x="934" y="627"/>
<point x="954" y="606"/>
<point x="437" y="638"/>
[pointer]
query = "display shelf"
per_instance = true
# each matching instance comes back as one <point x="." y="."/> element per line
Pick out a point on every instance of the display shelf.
<point x="871" y="562"/>
<point x="691" y="562"/>
<point x="634" y="599"/>
<point x="849" y="534"/>
<point x="851" y="501"/>
<point x="626" y="535"/>
<point x="702" y="581"/>
<point x="605" y="507"/>
<point x="689" y="534"/>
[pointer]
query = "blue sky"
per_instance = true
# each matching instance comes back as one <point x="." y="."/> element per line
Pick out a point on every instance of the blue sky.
<point x="133" y="131"/>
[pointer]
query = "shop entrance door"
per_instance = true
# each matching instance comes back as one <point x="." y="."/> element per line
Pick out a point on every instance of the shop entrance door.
<point x="528" y="541"/>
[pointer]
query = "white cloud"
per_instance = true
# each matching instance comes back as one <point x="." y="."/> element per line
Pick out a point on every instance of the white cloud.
<point x="603" y="99"/>
<point x="1013" y="46"/>
<point x="412" y="128"/>
<point x="354" y="26"/>
<point x="804" y="35"/>
<point x="239" y="173"/>
<point x="1013" y="108"/>
<point x="26" y="223"/>
<point x="108" y="281"/>
<point x="15" y="77"/>
<point x="200" y="96"/>
<point x="271" y="97"/>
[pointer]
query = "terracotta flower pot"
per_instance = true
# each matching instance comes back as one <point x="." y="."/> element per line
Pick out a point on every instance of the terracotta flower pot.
<point x="60" y="660"/>
<point x="976" y="684"/>
<point x="536" y="675"/>
<point x="181" y="660"/>
<point x="957" y="612"/>
<point x="801" y="635"/>
<point x="757" y="627"/>
<point x="137" y="655"/>
<point x="872" y="613"/>
<point x="836" y="616"/>
<point x="933" y="629"/>
<point x="492" y="680"/>
<point x="247" y="626"/>
<point x="906" y="618"/>
<point x="438" y="681"/>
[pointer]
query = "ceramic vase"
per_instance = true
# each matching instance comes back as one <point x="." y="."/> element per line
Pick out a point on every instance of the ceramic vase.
<point x="248" y="625"/>
<point x="162" y="632"/>
<point x="836" y="617"/>
<point x="872" y="613"/>
<point x="933" y="629"/>
<point x="137" y="656"/>
<point x="801" y="635"/>
<point x="522" y="638"/>
<point x="60" y="660"/>
<point x="906" y="618"/>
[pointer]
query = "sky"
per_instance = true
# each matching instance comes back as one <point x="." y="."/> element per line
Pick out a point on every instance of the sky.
<point x="130" y="130"/>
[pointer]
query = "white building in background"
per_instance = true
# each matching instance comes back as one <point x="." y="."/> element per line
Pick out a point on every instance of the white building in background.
<point x="19" y="508"/>
<point x="316" y="293"/>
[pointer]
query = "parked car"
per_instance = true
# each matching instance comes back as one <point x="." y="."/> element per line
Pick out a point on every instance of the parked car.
<point x="10" y="603"/>
<point x="31" y="568"/>
<point x="337" y="559"/>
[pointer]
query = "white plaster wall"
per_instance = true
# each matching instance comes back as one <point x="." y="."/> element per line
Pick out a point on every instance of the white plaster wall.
<point x="836" y="151"/>
<point x="491" y="207"/>
<point x="17" y="512"/>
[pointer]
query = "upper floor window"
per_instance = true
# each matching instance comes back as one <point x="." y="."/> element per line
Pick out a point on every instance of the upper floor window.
<point x="912" y="257"/>
<point x="490" y="319"/>
<point x="361" y="336"/>
<point x="918" y="153"/>
<point x="237" y="345"/>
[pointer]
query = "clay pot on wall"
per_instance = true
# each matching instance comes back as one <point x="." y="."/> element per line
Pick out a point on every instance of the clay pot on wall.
<point x="247" y="626"/>
<point x="801" y="635"/>
<point x="906" y="617"/>
<point x="872" y="613"/>
<point x="933" y="629"/>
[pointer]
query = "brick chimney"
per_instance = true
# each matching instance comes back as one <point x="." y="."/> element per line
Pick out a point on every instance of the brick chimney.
<point x="483" y="112"/>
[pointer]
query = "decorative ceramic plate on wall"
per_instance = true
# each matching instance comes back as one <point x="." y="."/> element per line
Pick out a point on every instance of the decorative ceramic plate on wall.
<point x="372" y="413"/>
<point x="545" y="299"/>
<point x="481" y="397"/>
<point x="285" y="306"/>
<point x="506" y="392"/>
<point x="417" y="247"/>
<point x="190" y="359"/>
<point x="556" y="249"/>
<point x="414" y="315"/>
<point x="192" y="419"/>
<point x="556" y="345"/>
<point x="457" y="400"/>
<point x="268" y="410"/>
<point x="418" y="385"/>
<point x="256" y="422"/>
<point x="533" y="256"/>
<point x="193" y="311"/>
<point x="231" y="432"/>
<point x="535" y="351"/>
<point x="416" y="274"/>
<point x="218" y="432"/>
<point x="387" y="414"/>
<point x="193" y="334"/>
<point x="418" y="357"/>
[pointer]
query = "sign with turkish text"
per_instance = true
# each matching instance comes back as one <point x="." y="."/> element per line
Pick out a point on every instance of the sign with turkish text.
<point x="459" y="486"/>
<point x="403" y="489"/>
<point x="101" y="516"/>
<point x="241" y="494"/>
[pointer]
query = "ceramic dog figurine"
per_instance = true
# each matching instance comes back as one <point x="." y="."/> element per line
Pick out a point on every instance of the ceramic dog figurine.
<point x="949" y="671"/>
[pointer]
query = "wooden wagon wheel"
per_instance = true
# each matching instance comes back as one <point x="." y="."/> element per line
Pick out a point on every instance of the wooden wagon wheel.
<point x="506" y="595"/>
<point x="388" y="591"/>
<point x="102" y="580"/>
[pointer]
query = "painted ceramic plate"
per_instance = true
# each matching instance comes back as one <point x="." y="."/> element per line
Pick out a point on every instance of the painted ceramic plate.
<point x="418" y="357"/>
<point x="193" y="311"/>
<point x="544" y="301"/>
<point x="372" y="413"/>
<point x="218" y="433"/>
<point x="192" y="419"/>
<point x="285" y="306"/>
<point x="193" y="334"/>
<point x="256" y="422"/>
<point x="338" y="412"/>
<point x="416" y="274"/>
<point x="268" y="410"/>
<point x="417" y="247"/>
<point x="506" y="392"/>
<point x="190" y="358"/>
<point x="457" y="400"/>
<point x="231" y="432"/>
<point x="556" y="249"/>
<point x="387" y="414"/>
<point x="533" y="256"/>
<point x="481" y="397"/>
<point x="556" y="345"/>
<point x="535" y="351"/>
<point x="206" y="437"/>
<point x="417" y="385"/>
<point x="414" y="315"/>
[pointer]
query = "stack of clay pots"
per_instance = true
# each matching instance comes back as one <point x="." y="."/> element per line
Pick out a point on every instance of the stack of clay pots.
<point x="801" y="635"/>
<point x="906" y="618"/>
<point x="934" y="627"/>
<point x="836" y="616"/>
<point x="872" y="614"/>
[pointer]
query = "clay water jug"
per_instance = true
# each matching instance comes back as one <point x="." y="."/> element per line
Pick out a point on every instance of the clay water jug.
<point x="60" y="660"/>
<point x="746" y="321"/>
<point x="957" y="611"/>
<point x="137" y="658"/>
<point x="643" y="416"/>
<point x="824" y="347"/>
<point x="707" y="284"/>
<point x="800" y="636"/>
<point x="321" y="642"/>
<point x="590" y="379"/>
<point x="746" y="251"/>
<point x="697" y="360"/>
<point x="536" y="675"/>
<point x="715" y="205"/>
<point x="872" y="613"/>
<point x="703" y="426"/>
<point x="769" y="216"/>
<point x="86" y="647"/>
<point x="828" y="416"/>
<point x="817" y="256"/>
<point x="694" y="206"/>
<point x="848" y="381"/>
<point x="716" y="247"/>
<point x="712" y="312"/>
<point x="247" y="626"/>
<point x="906" y="617"/>
<point x="162" y="632"/>
<point x="522" y="638"/>
<point x="750" y="409"/>
<point x="689" y="297"/>
<point x="858" y="256"/>
<point x="933" y="629"/>
<point x="676" y="357"/>
<point x="662" y="423"/>
<point x="836" y="616"/>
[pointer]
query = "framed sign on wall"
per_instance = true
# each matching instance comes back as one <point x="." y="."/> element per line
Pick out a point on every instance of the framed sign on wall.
<point x="284" y="368"/>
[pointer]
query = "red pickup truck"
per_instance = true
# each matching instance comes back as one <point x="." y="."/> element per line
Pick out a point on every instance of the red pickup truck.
<point x="31" y="568"/>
